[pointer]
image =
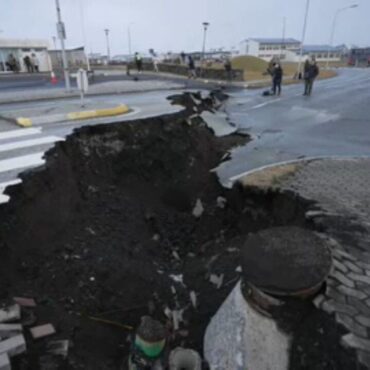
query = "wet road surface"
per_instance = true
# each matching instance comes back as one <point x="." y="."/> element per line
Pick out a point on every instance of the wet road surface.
<point x="334" y="121"/>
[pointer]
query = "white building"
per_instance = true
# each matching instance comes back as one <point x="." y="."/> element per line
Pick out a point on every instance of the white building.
<point x="324" y="53"/>
<point x="20" y="48"/>
<point x="267" y="48"/>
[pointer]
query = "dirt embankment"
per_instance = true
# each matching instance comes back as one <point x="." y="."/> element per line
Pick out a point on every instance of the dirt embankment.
<point x="105" y="230"/>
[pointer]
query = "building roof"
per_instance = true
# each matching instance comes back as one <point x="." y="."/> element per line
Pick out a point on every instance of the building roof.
<point x="321" y="48"/>
<point x="24" y="43"/>
<point x="275" y="40"/>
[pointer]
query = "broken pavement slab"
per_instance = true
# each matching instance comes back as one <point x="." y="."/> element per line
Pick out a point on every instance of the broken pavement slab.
<point x="5" y="362"/>
<point x="218" y="123"/>
<point x="10" y="330"/>
<point x="11" y="313"/>
<point x="13" y="346"/>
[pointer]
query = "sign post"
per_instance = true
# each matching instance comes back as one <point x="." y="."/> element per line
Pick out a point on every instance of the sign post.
<point x="82" y="84"/>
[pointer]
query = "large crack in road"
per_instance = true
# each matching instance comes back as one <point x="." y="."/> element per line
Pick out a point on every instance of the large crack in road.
<point x="106" y="230"/>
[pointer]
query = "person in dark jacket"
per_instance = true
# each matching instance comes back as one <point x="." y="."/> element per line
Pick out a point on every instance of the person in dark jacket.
<point x="191" y="66"/>
<point x="229" y="70"/>
<point x="311" y="71"/>
<point x="277" y="78"/>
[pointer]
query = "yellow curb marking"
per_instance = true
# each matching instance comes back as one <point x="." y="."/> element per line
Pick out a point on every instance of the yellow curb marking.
<point x="121" y="109"/>
<point x="24" y="122"/>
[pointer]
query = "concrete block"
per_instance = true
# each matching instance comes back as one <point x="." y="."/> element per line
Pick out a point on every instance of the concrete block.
<point x="25" y="302"/>
<point x="42" y="331"/>
<point x="13" y="346"/>
<point x="11" y="313"/>
<point x="4" y="362"/>
<point x="10" y="330"/>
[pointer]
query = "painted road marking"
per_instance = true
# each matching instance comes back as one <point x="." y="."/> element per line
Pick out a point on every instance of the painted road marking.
<point x="29" y="143"/>
<point x="3" y="197"/>
<point x="31" y="160"/>
<point x="266" y="103"/>
<point x="19" y="133"/>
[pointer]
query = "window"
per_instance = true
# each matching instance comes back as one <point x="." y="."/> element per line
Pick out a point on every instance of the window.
<point x="26" y="50"/>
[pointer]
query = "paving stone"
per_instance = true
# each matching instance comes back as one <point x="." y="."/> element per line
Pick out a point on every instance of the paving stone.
<point x="334" y="294"/>
<point x="354" y="341"/>
<point x="5" y="362"/>
<point x="349" y="323"/>
<point x="368" y="302"/>
<point x="25" y="302"/>
<point x="351" y="292"/>
<point x="332" y="306"/>
<point x="340" y="266"/>
<point x="365" y="321"/>
<point x="344" y="255"/>
<point x="343" y="279"/>
<point x="353" y="267"/>
<point x="359" y="305"/>
<point x="42" y="331"/>
<point x="363" y="288"/>
<point x="358" y="277"/>
<point x="13" y="346"/>
<point x="364" y="265"/>
<point x="364" y="357"/>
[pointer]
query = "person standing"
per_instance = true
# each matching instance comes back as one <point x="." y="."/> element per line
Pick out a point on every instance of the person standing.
<point x="35" y="63"/>
<point x="311" y="71"/>
<point x="191" y="65"/>
<point x="183" y="57"/>
<point x="228" y="69"/>
<point x="277" y="78"/>
<point x="28" y="64"/>
<point x="139" y="62"/>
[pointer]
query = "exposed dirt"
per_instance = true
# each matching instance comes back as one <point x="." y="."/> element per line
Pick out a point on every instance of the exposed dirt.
<point x="101" y="228"/>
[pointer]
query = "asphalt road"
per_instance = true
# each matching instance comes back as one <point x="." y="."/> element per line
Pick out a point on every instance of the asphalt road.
<point x="24" y="82"/>
<point x="334" y="121"/>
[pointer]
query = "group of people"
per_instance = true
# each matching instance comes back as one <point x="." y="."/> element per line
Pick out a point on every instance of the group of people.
<point x="310" y="72"/>
<point x="30" y="62"/>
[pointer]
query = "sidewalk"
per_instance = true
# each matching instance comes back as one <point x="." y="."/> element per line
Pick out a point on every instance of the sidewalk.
<point x="340" y="192"/>
<point x="105" y="88"/>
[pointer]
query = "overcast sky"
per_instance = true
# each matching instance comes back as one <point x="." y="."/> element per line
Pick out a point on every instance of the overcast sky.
<point x="176" y="24"/>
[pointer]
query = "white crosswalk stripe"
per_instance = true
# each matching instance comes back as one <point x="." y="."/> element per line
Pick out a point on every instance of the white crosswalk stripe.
<point x="20" y="150"/>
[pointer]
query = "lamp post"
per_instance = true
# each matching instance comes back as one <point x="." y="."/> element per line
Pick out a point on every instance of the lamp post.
<point x="108" y="48"/>
<point x="205" y="28"/>
<point x="303" y="36"/>
<point x="62" y="37"/>
<point x="333" y="28"/>
<point x="83" y="29"/>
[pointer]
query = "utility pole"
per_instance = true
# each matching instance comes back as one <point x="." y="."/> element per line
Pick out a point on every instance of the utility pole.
<point x="303" y="36"/>
<point x="62" y="37"/>
<point x="108" y="48"/>
<point x="129" y="41"/>
<point x="333" y="29"/>
<point x="205" y="27"/>
<point x="82" y="16"/>
<point x="283" y="39"/>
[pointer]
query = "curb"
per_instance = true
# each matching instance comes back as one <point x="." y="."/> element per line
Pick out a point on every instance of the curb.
<point x="73" y="116"/>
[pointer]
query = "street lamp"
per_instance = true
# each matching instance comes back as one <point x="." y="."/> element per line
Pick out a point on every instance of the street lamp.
<point x="333" y="28"/>
<point x="303" y="36"/>
<point x="62" y="37"/>
<point x="205" y="27"/>
<point x="108" y="48"/>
